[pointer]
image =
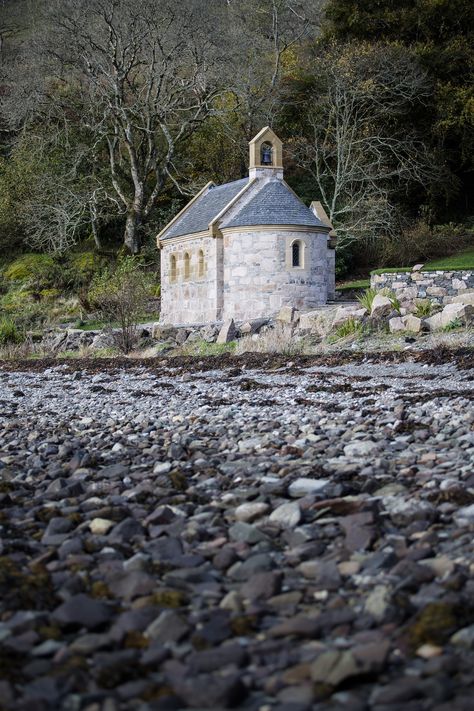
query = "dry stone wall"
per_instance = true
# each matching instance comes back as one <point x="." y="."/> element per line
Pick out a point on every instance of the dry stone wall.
<point x="439" y="286"/>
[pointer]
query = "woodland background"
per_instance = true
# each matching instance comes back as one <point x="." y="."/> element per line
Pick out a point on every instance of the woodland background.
<point x="114" y="112"/>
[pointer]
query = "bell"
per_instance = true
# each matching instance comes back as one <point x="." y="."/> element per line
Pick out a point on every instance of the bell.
<point x="266" y="155"/>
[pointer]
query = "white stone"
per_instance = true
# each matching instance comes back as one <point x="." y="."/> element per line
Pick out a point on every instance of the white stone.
<point x="288" y="314"/>
<point x="304" y="486"/>
<point x="396" y="324"/>
<point x="228" y="332"/>
<point x="381" y="306"/>
<point x="418" y="267"/>
<point x="100" y="526"/>
<point x="344" y="313"/>
<point x="465" y="516"/>
<point x="251" y="511"/>
<point x="287" y="515"/>
<point x="377" y="602"/>
<point x="463" y="313"/>
<point x="162" y="468"/>
<point x="412" y="323"/>
<point x="466" y="298"/>
<point x="362" y="448"/>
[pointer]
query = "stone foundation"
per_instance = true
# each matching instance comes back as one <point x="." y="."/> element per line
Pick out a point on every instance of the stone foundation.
<point x="438" y="286"/>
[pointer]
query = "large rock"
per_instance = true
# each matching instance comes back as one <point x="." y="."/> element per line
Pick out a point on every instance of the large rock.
<point x="344" y="313"/>
<point x="228" y="332"/>
<point x="396" y="324"/>
<point x="381" y="307"/>
<point x="463" y="313"/>
<point x="405" y="323"/>
<point x="288" y="314"/>
<point x="466" y="298"/>
<point x="412" y="323"/>
<point x="318" y="322"/>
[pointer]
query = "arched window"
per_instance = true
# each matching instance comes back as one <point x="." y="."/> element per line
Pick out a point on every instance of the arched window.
<point x="201" y="264"/>
<point x="266" y="154"/>
<point x="187" y="265"/>
<point x="173" y="267"/>
<point x="296" y="254"/>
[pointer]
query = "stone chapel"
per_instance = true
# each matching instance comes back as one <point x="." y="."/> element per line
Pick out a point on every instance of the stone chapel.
<point x="247" y="248"/>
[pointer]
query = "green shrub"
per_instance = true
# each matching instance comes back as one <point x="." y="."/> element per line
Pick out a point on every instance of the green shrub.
<point x="9" y="332"/>
<point x="424" y="307"/>
<point x="453" y="326"/>
<point x="393" y="298"/>
<point x="367" y="298"/>
<point x="39" y="271"/>
<point x="351" y="327"/>
<point x="120" y="295"/>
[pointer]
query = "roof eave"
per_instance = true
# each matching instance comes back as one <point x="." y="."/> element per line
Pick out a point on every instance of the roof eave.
<point x="181" y="212"/>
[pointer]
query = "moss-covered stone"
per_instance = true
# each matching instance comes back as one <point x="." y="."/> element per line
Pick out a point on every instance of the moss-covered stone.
<point x="178" y="480"/>
<point x="244" y="625"/>
<point x="135" y="640"/>
<point x="434" y="624"/>
<point x="100" y="590"/>
<point x="31" y="590"/>
<point x="169" y="598"/>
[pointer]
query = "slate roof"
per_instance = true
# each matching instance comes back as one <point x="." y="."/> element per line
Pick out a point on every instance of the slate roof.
<point x="203" y="211"/>
<point x="274" y="204"/>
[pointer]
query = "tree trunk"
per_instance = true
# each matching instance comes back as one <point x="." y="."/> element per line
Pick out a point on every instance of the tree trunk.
<point x="132" y="228"/>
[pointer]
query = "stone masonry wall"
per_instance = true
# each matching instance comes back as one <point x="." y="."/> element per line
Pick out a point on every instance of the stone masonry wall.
<point x="259" y="279"/>
<point x="193" y="300"/>
<point x="439" y="286"/>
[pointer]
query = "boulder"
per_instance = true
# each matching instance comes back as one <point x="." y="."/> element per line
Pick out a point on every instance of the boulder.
<point x="164" y="333"/>
<point x="254" y="326"/>
<point x="464" y="313"/>
<point x="396" y="324"/>
<point x="288" y="314"/>
<point x="228" y="332"/>
<point x="209" y="333"/>
<point x="381" y="306"/>
<point x="344" y="313"/>
<point x="418" y="267"/>
<point x="318" y="321"/>
<point x="104" y="339"/>
<point x="467" y="298"/>
<point x="405" y="323"/>
<point x="412" y="323"/>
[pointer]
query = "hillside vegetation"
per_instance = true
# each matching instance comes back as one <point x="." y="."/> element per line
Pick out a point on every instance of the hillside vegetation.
<point x="113" y="114"/>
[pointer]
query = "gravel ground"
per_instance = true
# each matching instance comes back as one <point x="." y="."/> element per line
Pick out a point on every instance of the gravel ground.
<point x="249" y="533"/>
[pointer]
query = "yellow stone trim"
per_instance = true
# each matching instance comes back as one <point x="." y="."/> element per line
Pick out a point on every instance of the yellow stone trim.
<point x="182" y="238"/>
<point x="181" y="212"/>
<point x="321" y="214"/>
<point x="266" y="135"/>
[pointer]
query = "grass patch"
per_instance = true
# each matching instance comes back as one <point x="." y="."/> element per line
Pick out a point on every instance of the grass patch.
<point x="353" y="285"/>
<point x="392" y="270"/>
<point x="461" y="260"/>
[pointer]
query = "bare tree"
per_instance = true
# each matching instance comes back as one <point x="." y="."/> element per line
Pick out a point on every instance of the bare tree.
<point x="360" y="153"/>
<point x="137" y="78"/>
<point x="261" y="37"/>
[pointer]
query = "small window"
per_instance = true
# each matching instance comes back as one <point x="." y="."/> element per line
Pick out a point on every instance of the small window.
<point x="201" y="264"/>
<point x="266" y="154"/>
<point x="296" y="255"/>
<point x="173" y="268"/>
<point x="187" y="265"/>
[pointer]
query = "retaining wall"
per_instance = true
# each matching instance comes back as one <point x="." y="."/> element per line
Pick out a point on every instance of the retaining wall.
<point x="439" y="286"/>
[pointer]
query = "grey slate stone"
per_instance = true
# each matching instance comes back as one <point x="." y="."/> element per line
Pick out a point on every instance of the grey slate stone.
<point x="274" y="204"/>
<point x="203" y="211"/>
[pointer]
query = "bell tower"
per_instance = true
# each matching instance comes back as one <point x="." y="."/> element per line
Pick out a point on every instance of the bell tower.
<point x="266" y="155"/>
